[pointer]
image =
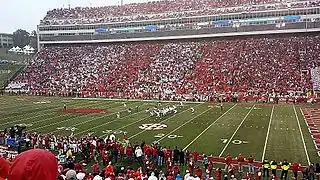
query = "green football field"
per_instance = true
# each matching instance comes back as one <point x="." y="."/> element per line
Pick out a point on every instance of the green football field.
<point x="276" y="132"/>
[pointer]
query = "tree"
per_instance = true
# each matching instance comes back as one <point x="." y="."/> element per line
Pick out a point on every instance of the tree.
<point x="21" y="38"/>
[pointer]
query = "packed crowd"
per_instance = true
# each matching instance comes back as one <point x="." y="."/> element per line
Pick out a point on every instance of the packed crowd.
<point x="163" y="9"/>
<point x="145" y="162"/>
<point x="171" y="69"/>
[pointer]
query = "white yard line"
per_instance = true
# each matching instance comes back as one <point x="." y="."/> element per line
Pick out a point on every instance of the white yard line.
<point x="127" y="125"/>
<point x="45" y="110"/>
<point x="40" y="115"/>
<point x="90" y="120"/>
<point x="303" y="141"/>
<point x="162" y="122"/>
<point x="235" y="132"/>
<point x="183" y="124"/>
<point x="267" y="136"/>
<point x="208" y="127"/>
<point x="40" y="127"/>
<point x="95" y="127"/>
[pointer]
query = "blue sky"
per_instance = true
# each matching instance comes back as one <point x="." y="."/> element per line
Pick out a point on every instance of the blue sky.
<point x="26" y="14"/>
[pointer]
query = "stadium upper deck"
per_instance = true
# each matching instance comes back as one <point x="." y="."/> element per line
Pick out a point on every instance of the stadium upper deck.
<point x="177" y="20"/>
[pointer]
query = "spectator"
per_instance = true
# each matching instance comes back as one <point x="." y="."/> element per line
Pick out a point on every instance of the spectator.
<point x="34" y="164"/>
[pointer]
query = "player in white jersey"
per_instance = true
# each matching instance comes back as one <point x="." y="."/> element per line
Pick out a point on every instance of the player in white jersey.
<point x="118" y="115"/>
<point x="124" y="105"/>
<point x="192" y="110"/>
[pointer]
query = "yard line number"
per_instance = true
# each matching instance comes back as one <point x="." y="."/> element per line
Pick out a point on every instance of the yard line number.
<point x="171" y="136"/>
<point x="236" y="141"/>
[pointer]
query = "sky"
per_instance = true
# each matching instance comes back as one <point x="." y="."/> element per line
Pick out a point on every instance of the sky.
<point x="26" y="14"/>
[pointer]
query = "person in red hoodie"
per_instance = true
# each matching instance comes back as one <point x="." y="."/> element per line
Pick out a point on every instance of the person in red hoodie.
<point x="90" y="177"/>
<point x="195" y="156"/>
<point x="210" y="168"/>
<point x="35" y="164"/>
<point x="4" y="168"/>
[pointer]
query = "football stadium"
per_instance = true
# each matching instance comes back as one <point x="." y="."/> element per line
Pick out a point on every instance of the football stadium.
<point x="169" y="89"/>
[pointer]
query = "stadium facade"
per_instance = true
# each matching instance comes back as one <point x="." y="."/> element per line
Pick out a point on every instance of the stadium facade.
<point x="274" y="18"/>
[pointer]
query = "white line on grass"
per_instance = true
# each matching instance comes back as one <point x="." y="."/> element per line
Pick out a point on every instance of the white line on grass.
<point x="184" y="124"/>
<point x="235" y="132"/>
<point x="90" y="120"/>
<point x="267" y="136"/>
<point x="95" y="127"/>
<point x="33" y="117"/>
<point x="303" y="142"/>
<point x="128" y="125"/>
<point x="41" y="127"/>
<point x="208" y="127"/>
<point x="161" y="122"/>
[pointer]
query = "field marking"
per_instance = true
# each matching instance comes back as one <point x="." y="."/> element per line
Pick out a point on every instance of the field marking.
<point x="184" y="124"/>
<point x="95" y="127"/>
<point x="92" y="119"/>
<point x="163" y="121"/>
<point x="303" y="141"/>
<point x="208" y="127"/>
<point x="40" y="115"/>
<point x="235" y="132"/>
<point x="267" y="136"/>
<point x="41" y="127"/>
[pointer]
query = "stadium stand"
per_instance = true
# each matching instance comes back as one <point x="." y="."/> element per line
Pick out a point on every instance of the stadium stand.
<point x="252" y="64"/>
<point x="163" y="9"/>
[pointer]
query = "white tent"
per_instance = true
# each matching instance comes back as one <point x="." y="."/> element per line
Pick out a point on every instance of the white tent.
<point x="28" y="50"/>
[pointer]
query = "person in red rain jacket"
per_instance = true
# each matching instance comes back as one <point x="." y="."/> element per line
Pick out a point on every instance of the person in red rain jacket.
<point x="199" y="172"/>
<point x="240" y="160"/>
<point x="191" y="165"/>
<point x="218" y="174"/>
<point x="109" y="170"/>
<point x="295" y="168"/>
<point x="228" y="160"/>
<point x="95" y="168"/>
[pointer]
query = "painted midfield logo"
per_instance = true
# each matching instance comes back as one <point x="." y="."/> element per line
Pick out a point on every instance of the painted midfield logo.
<point x="152" y="126"/>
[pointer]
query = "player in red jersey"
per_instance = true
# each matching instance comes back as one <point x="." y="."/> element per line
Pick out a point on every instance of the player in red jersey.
<point x="258" y="174"/>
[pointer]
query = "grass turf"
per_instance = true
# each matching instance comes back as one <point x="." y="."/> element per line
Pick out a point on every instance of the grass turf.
<point x="263" y="130"/>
